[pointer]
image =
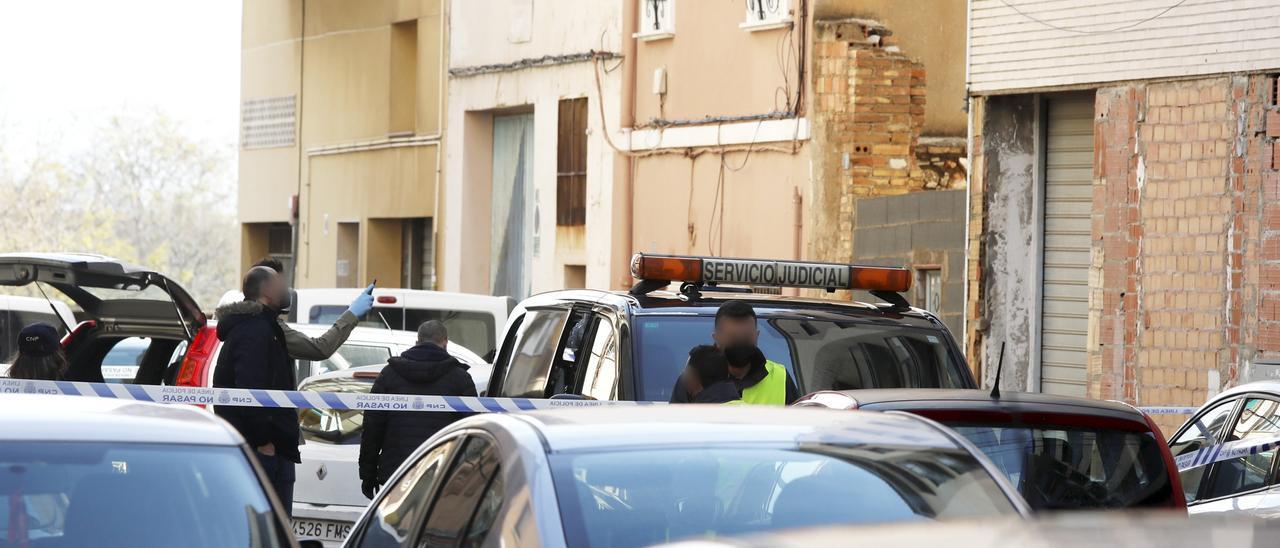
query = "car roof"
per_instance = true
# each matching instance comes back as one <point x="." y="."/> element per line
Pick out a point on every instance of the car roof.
<point x="80" y="418"/>
<point x="636" y="426"/>
<point x="1059" y="529"/>
<point x="975" y="400"/>
<point x="766" y="306"/>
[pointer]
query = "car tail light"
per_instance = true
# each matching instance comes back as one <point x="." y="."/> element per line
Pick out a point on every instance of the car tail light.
<point x="195" y="364"/>
<point x="74" y="334"/>
<point x="386" y="299"/>
<point x="828" y="400"/>
<point x="1178" y="499"/>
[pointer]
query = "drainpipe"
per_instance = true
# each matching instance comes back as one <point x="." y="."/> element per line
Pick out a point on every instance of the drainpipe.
<point x="626" y="121"/>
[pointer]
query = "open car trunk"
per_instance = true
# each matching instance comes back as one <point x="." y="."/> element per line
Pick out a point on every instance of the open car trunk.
<point x="120" y="300"/>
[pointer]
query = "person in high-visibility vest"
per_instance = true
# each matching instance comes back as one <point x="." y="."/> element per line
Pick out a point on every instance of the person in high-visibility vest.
<point x="763" y="384"/>
<point x="706" y="376"/>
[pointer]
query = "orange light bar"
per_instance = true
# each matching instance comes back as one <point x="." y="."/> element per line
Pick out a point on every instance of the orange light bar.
<point x="871" y="278"/>
<point x="672" y="269"/>
<point x="757" y="272"/>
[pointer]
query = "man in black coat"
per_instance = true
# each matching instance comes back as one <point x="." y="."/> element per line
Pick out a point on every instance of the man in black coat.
<point x="254" y="356"/>
<point x="424" y="370"/>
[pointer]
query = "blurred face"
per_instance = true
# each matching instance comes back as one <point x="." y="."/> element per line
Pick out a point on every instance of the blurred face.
<point x="275" y="293"/>
<point x="732" y="331"/>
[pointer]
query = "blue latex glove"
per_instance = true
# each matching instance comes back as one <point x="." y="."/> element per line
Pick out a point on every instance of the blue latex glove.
<point x="363" y="304"/>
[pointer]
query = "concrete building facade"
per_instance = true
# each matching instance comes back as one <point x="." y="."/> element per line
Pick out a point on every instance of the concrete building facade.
<point x="342" y="117"/>
<point x="1123" y="227"/>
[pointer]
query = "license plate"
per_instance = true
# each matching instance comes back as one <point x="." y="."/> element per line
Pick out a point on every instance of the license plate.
<point x="335" y="531"/>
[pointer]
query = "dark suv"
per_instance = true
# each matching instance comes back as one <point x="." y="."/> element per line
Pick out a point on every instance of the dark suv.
<point x="632" y="345"/>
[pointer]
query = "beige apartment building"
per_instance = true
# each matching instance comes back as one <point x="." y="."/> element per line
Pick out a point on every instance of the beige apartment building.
<point x="341" y="123"/>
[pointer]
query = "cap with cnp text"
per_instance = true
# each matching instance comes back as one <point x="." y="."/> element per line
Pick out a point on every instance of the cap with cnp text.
<point x="38" y="340"/>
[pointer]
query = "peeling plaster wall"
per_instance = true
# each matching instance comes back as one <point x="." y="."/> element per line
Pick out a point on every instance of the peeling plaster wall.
<point x="1010" y="266"/>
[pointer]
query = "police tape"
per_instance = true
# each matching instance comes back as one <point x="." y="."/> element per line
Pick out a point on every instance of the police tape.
<point x="239" y="397"/>
<point x="1226" y="451"/>
<point x="1168" y="410"/>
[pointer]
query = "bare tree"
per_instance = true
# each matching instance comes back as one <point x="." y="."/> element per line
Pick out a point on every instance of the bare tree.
<point x="144" y="192"/>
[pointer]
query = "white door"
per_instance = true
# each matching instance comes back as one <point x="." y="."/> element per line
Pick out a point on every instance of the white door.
<point x="1068" y="202"/>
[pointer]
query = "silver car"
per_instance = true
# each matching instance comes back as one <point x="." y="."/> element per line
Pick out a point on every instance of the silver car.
<point x="1226" y="453"/>
<point x="636" y="476"/>
<point x="80" y="471"/>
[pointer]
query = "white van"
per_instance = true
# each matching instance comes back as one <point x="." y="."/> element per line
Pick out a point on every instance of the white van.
<point x="19" y="312"/>
<point x="473" y="321"/>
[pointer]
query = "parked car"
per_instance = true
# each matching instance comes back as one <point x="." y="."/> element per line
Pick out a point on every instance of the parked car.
<point x="632" y="345"/>
<point x="635" y="476"/>
<point x="365" y="346"/>
<point x="115" y="473"/>
<point x="1227" y="453"/>
<point x="474" y="321"/>
<point x="119" y="302"/>
<point x="1061" y="530"/>
<point x="1061" y="452"/>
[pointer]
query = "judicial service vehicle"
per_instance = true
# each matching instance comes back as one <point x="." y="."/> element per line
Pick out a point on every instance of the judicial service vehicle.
<point x="632" y="345"/>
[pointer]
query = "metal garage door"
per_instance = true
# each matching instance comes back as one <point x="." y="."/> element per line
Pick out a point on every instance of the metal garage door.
<point x="1068" y="200"/>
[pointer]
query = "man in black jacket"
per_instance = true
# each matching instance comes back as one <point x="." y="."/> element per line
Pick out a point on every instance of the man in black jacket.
<point x="254" y="356"/>
<point x="424" y="370"/>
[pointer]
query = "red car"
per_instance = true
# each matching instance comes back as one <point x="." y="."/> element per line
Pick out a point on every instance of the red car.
<point x="1062" y="453"/>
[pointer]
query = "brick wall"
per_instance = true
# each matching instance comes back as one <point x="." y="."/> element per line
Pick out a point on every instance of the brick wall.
<point x="868" y="110"/>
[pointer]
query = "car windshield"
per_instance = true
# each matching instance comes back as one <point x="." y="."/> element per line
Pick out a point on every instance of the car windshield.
<point x="136" y="495"/>
<point x="819" y="354"/>
<point x="1069" y="468"/>
<point x="474" y="330"/>
<point x="340" y="426"/>
<point x="645" y="497"/>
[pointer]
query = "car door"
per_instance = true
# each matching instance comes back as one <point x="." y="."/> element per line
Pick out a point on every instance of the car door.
<point x="1246" y="483"/>
<point x="401" y="507"/>
<point x="598" y="373"/>
<point x="1192" y="448"/>
<point x="524" y="365"/>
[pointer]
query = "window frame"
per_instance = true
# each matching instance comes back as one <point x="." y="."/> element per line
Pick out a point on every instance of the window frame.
<point x="783" y="20"/>
<point x="601" y="316"/>
<point x="356" y="537"/>
<point x="1211" y="474"/>
<point x="513" y="339"/>
<point x="1235" y="402"/>
<point x="434" y="498"/>
<point x="665" y="27"/>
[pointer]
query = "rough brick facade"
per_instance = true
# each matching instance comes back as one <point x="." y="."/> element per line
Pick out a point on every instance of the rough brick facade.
<point x="1185" y="266"/>
<point x="869" y="104"/>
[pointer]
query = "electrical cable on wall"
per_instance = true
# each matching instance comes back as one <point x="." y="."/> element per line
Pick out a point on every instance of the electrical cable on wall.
<point x="1077" y="30"/>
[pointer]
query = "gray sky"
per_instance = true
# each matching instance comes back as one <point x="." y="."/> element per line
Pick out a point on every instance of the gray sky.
<point x="67" y="64"/>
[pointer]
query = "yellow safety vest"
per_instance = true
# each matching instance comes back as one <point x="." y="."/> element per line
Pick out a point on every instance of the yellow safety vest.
<point x="771" y="390"/>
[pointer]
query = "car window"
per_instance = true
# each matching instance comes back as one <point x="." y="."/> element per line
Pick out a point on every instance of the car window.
<point x="1257" y="422"/>
<point x="121" y="364"/>
<point x="829" y="355"/>
<point x="353" y="355"/>
<point x="474" y="330"/>
<point x="535" y="346"/>
<point x="600" y="375"/>
<point x="1074" y="467"/>
<point x="653" y="496"/>
<point x="144" y="495"/>
<point x="486" y="513"/>
<point x="460" y="494"/>
<point x="337" y="426"/>
<point x="1204" y="432"/>
<point x="401" y="509"/>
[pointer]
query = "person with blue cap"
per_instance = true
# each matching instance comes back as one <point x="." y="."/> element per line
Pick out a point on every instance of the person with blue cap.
<point x="39" y="354"/>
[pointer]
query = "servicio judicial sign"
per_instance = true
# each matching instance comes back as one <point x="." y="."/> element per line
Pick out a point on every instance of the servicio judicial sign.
<point x="776" y="273"/>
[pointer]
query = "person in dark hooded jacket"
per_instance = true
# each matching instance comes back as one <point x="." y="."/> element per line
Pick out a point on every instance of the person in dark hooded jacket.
<point x="424" y="370"/>
<point x="254" y="356"/>
<point x="706" y="375"/>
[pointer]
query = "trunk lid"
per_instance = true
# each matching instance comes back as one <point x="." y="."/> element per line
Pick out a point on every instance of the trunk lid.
<point x="117" y="295"/>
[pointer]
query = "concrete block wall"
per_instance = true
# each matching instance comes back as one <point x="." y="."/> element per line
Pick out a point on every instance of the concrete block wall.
<point x="913" y="230"/>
